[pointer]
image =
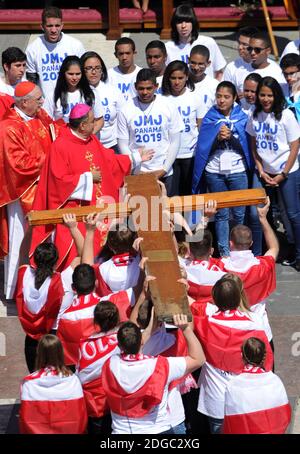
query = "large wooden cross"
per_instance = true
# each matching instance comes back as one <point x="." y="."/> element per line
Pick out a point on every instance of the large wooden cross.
<point x="168" y="295"/>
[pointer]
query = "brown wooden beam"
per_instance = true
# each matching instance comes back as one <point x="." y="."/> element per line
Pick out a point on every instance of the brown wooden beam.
<point x="174" y="204"/>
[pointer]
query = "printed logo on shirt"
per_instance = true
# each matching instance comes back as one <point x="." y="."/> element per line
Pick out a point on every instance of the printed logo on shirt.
<point x="266" y="137"/>
<point x="69" y="107"/>
<point x="107" y="113"/>
<point x="51" y="65"/>
<point x="185" y="115"/>
<point x="148" y="128"/>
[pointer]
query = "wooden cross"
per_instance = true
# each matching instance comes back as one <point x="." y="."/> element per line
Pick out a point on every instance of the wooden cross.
<point x="169" y="296"/>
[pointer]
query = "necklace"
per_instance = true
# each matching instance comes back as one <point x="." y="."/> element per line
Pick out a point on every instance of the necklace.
<point x="144" y="108"/>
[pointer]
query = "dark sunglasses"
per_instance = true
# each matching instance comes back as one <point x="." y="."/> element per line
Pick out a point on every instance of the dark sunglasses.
<point x="257" y="50"/>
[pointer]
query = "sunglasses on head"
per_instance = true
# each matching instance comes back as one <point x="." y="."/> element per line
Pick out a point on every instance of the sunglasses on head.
<point x="257" y="50"/>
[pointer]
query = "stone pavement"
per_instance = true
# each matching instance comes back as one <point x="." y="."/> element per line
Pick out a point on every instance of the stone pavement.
<point x="284" y="307"/>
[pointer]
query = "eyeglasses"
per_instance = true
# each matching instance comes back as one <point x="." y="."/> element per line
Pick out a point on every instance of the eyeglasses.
<point x="257" y="50"/>
<point x="97" y="69"/>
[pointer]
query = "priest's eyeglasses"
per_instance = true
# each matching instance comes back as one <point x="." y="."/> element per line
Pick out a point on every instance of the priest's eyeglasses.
<point x="97" y="69"/>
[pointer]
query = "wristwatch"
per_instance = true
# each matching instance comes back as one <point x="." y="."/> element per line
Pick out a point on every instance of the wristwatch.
<point x="285" y="175"/>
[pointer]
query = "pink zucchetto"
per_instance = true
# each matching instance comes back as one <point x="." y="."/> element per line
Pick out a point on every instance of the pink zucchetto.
<point x="24" y="88"/>
<point x="79" y="111"/>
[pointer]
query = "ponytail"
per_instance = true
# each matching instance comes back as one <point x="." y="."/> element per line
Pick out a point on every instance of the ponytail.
<point x="45" y="257"/>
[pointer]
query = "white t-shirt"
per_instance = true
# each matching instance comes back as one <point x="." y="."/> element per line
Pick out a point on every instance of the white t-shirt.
<point x="291" y="48"/>
<point x="149" y="128"/>
<point x="273" y="138"/>
<point x="232" y="67"/>
<point x="111" y="101"/>
<point x="57" y="111"/>
<point x="6" y="88"/>
<point x="182" y="52"/>
<point x="190" y="108"/>
<point x="246" y="107"/>
<point x="157" y="420"/>
<point x="206" y="91"/>
<point x="45" y="59"/>
<point x="159" y="80"/>
<point x="272" y="70"/>
<point x="123" y="82"/>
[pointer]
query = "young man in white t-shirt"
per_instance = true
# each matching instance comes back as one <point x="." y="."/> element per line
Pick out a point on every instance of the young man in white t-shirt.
<point x="123" y="76"/>
<point x="205" y="85"/>
<point x="14" y="64"/>
<point x="151" y="122"/>
<point x="46" y="54"/>
<point x="244" y="59"/>
<point x="156" y="56"/>
<point x="136" y="385"/>
<point x="290" y="65"/>
<point x="259" y="50"/>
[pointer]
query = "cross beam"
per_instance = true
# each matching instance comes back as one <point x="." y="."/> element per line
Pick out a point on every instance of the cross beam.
<point x="226" y="199"/>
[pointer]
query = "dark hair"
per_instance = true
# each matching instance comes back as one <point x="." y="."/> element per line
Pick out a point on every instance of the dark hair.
<point x="262" y="37"/>
<point x="125" y="40"/>
<point x="145" y="74"/>
<point x="226" y="294"/>
<point x="61" y="88"/>
<point x="51" y="11"/>
<point x="121" y="238"/>
<point x="290" y="60"/>
<point x="230" y="86"/>
<point x="84" y="279"/>
<point x="50" y="353"/>
<point x="92" y="54"/>
<point x="241" y="236"/>
<point x="106" y="315"/>
<point x="176" y="65"/>
<point x="12" y="55"/>
<point x="45" y="257"/>
<point x="129" y="338"/>
<point x="201" y="249"/>
<point x="144" y="314"/>
<point x="279" y="100"/>
<point x="254" y="351"/>
<point x="255" y="77"/>
<point x="156" y="44"/>
<point x="184" y="13"/>
<point x="74" y="123"/>
<point x="247" y="31"/>
<point x="200" y="50"/>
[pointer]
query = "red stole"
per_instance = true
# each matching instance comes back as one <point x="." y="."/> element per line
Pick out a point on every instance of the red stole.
<point x="70" y="157"/>
<point x="36" y="325"/>
<point x="140" y="402"/>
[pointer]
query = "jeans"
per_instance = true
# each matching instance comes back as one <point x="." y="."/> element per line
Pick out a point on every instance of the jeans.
<point x="219" y="183"/>
<point x="215" y="425"/>
<point x="290" y="196"/>
<point x="180" y="429"/>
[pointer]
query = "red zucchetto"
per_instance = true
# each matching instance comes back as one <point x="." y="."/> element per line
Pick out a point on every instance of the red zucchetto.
<point x="24" y="88"/>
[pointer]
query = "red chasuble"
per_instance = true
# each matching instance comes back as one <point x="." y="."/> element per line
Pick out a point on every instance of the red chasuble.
<point x="23" y="147"/>
<point x="69" y="157"/>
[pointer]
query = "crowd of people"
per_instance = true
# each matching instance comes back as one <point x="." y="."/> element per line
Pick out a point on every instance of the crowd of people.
<point x="99" y="360"/>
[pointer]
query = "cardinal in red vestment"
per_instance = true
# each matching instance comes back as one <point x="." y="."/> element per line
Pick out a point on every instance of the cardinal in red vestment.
<point x="24" y="141"/>
<point x="6" y="101"/>
<point x="78" y="171"/>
